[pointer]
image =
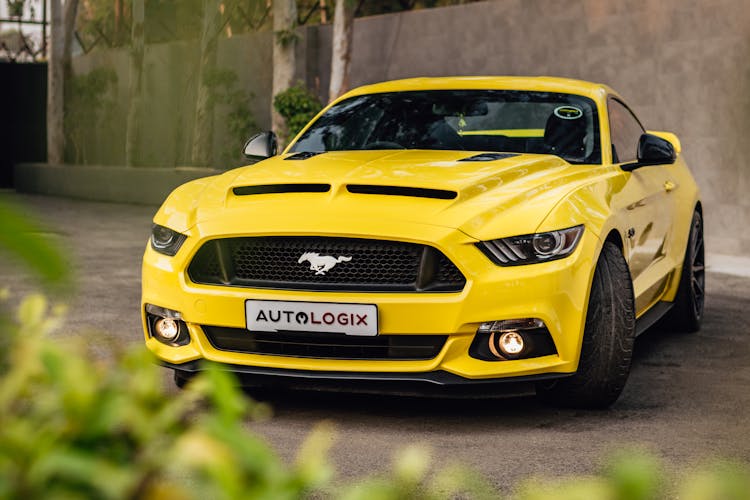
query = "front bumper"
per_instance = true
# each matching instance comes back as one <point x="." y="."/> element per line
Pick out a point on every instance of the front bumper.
<point x="555" y="292"/>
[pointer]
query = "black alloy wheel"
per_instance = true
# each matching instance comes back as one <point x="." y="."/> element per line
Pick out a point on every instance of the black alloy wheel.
<point x="697" y="268"/>
<point x="687" y="313"/>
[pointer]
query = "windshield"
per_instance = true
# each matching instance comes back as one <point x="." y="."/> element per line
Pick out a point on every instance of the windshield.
<point x="565" y="125"/>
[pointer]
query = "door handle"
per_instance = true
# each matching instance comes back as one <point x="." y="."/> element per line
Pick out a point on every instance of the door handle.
<point x="669" y="186"/>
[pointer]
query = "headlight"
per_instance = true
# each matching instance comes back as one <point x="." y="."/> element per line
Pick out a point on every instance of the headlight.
<point x="532" y="248"/>
<point x="166" y="241"/>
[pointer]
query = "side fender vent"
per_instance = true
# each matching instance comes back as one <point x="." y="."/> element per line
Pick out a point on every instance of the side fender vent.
<point x="490" y="156"/>
<point x="439" y="194"/>
<point x="281" y="188"/>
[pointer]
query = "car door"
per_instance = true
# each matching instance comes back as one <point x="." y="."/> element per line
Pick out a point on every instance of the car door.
<point x="648" y="210"/>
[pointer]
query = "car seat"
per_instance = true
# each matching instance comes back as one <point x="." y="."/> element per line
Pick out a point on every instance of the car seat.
<point x="565" y="135"/>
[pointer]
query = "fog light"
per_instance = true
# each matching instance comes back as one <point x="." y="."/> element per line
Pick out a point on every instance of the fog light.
<point x="167" y="328"/>
<point x="511" y="339"/>
<point x="511" y="343"/>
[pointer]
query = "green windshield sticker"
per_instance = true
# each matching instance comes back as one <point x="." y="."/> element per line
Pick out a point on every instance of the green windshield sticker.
<point x="568" y="112"/>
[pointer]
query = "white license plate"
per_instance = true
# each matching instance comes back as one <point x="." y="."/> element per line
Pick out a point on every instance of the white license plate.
<point x="324" y="317"/>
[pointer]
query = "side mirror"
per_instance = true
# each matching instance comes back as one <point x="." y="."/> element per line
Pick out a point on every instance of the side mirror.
<point x="261" y="146"/>
<point x="652" y="150"/>
<point x="670" y="137"/>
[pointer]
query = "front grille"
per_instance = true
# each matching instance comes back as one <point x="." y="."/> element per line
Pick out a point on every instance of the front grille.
<point x="355" y="265"/>
<point x="326" y="345"/>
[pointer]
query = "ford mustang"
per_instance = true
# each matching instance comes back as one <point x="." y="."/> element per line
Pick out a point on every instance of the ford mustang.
<point x="452" y="235"/>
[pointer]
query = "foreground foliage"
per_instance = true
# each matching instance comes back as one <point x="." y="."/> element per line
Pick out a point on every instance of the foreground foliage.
<point x="96" y="428"/>
<point x="76" y="424"/>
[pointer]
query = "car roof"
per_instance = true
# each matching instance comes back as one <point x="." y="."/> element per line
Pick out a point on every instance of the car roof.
<point x="533" y="83"/>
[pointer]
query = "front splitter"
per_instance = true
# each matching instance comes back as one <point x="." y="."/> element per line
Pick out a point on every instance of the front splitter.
<point x="432" y="384"/>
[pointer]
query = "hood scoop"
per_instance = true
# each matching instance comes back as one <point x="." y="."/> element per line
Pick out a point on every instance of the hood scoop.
<point x="281" y="188"/>
<point x="438" y="194"/>
<point x="490" y="156"/>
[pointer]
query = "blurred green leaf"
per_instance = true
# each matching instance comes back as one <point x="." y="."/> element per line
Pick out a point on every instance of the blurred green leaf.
<point x="717" y="481"/>
<point x="635" y="475"/>
<point x="583" y="488"/>
<point x="24" y="240"/>
<point x="73" y="425"/>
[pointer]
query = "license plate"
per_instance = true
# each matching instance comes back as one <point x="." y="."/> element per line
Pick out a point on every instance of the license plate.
<point x="323" y="317"/>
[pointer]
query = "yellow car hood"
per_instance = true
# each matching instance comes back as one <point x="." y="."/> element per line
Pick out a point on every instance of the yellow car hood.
<point x="497" y="198"/>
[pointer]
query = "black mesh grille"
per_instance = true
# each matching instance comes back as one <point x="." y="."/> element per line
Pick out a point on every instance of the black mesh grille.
<point x="448" y="273"/>
<point x="341" y="264"/>
<point x="326" y="345"/>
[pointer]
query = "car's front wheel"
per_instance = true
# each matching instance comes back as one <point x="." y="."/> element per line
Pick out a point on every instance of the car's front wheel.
<point x="608" y="339"/>
<point x="180" y="380"/>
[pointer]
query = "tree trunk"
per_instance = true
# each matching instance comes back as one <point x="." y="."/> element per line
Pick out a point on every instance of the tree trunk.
<point x="118" y="22"/>
<point x="323" y="12"/>
<point x="203" y="126"/>
<point x="284" y="42"/>
<point x="343" y="22"/>
<point x="55" y="86"/>
<point x="136" y="84"/>
<point x="69" y="19"/>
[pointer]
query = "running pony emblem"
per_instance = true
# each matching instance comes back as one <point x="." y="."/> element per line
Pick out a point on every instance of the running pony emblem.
<point x="321" y="263"/>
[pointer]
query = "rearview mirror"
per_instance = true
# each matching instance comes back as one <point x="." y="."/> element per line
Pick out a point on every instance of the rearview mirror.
<point x="652" y="150"/>
<point x="448" y="108"/>
<point x="261" y="146"/>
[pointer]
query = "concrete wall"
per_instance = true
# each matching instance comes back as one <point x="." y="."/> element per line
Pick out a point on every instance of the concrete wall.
<point x="140" y="186"/>
<point x="681" y="65"/>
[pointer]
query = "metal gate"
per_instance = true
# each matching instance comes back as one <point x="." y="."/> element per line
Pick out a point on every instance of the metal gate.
<point x="23" y="116"/>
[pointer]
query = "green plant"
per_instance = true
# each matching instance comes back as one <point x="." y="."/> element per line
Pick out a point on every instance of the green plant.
<point x="24" y="240"/>
<point x="89" y="106"/>
<point x="75" y="426"/>
<point x="237" y="119"/>
<point x="287" y="37"/>
<point x="15" y="8"/>
<point x="298" y="106"/>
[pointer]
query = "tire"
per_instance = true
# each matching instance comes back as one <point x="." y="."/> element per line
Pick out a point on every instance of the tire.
<point x="687" y="313"/>
<point x="608" y="338"/>
<point x="180" y="380"/>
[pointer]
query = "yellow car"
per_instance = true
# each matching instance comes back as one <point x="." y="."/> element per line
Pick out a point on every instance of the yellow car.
<point x="460" y="236"/>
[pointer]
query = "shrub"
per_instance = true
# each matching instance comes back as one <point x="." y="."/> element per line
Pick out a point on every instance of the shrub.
<point x="75" y="426"/>
<point x="235" y="119"/>
<point x="298" y="106"/>
<point x="90" y="101"/>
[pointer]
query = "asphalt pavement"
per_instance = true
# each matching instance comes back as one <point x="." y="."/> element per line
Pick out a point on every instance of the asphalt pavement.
<point x="687" y="398"/>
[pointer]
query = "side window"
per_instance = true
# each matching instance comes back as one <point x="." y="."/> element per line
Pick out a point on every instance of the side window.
<point x="625" y="130"/>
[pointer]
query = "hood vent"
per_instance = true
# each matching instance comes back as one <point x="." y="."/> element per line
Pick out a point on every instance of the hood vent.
<point x="490" y="156"/>
<point x="439" y="194"/>
<point x="304" y="155"/>
<point x="281" y="188"/>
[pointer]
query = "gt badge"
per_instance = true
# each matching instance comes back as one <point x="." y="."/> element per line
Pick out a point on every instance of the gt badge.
<point x="321" y="263"/>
